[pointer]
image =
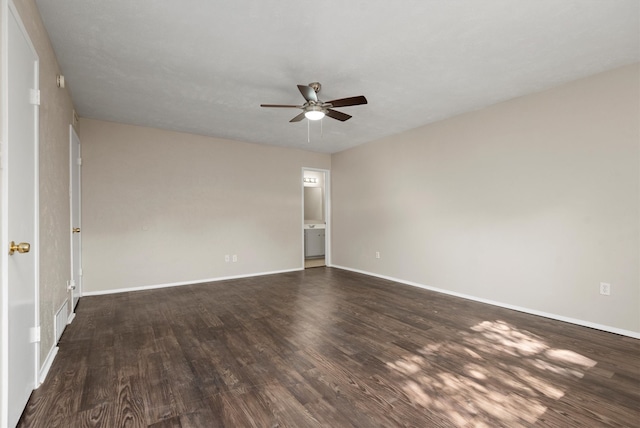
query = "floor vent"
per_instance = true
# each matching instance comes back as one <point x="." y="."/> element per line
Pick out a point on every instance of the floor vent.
<point x="61" y="319"/>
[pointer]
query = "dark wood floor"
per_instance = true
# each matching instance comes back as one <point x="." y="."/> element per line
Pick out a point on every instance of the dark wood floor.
<point x="325" y="347"/>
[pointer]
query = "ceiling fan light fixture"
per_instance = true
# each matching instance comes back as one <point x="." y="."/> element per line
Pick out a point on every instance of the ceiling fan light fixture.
<point x="314" y="114"/>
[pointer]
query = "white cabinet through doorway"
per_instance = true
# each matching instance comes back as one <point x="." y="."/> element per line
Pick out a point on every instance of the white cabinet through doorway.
<point x="313" y="243"/>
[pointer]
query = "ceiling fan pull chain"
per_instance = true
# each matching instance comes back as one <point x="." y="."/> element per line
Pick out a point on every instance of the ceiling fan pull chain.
<point x="321" y="134"/>
<point x="308" y="138"/>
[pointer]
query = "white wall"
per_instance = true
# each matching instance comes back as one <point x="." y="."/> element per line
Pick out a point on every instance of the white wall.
<point x="531" y="203"/>
<point x="162" y="207"/>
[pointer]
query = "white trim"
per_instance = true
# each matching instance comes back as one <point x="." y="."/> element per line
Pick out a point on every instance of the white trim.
<point x="327" y="212"/>
<point x="4" y="300"/>
<point x="582" y="323"/>
<point x="72" y="316"/>
<point x="36" y="202"/>
<point x="177" y="284"/>
<point x="44" y="371"/>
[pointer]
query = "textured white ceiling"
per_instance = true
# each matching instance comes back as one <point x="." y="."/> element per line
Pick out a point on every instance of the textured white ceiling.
<point x="204" y="67"/>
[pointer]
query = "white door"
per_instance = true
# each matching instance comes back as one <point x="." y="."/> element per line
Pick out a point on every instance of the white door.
<point x="20" y="222"/>
<point x="76" y="237"/>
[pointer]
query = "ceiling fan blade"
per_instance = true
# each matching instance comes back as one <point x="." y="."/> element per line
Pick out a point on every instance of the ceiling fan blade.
<point x="346" y="102"/>
<point x="337" y="115"/>
<point x="308" y="93"/>
<point x="298" y="118"/>
<point x="280" y="105"/>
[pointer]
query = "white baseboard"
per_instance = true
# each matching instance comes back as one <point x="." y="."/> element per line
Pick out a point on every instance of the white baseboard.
<point x="583" y="323"/>
<point x="72" y="316"/>
<point x="44" y="370"/>
<point x="177" y="284"/>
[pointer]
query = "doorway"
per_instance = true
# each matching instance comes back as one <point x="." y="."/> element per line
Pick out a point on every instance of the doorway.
<point x="75" y="163"/>
<point x="315" y="210"/>
<point x="19" y="255"/>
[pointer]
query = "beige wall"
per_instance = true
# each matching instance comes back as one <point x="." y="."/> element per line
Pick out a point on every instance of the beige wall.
<point x="55" y="116"/>
<point x="529" y="203"/>
<point x="162" y="207"/>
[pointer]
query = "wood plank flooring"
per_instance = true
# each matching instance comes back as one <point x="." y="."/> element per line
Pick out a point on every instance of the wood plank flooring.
<point x="329" y="348"/>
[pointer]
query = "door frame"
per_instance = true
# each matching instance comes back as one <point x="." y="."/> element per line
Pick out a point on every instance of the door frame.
<point x="7" y="7"/>
<point x="327" y="212"/>
<point x="73" y="164"/>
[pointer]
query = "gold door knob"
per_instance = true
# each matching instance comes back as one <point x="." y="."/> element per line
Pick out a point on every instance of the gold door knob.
<point x="76" y="230"/>
<point x="22" y="247"/>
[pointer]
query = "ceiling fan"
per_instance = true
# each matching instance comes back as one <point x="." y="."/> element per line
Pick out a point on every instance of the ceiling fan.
<point x="315" y="109"/>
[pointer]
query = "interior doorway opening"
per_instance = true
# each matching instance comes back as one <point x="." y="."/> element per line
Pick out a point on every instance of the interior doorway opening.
<point x="75" y="162"/>
<point x="315" y="217"/>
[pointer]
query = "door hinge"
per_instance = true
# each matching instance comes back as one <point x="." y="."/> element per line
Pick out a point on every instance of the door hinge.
<point x="79" y="161"/>
<point x="71" y="285"/>
<point x="34" y="333"/>
<point x="34" y="97"/>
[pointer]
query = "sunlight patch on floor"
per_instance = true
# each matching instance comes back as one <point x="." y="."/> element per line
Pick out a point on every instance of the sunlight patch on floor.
<point x="488" y="388"/>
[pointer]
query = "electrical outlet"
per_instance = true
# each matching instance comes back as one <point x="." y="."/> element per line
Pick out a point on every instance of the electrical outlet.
<point x="605" y="289"/>
<point x="235" y="258"/>
<point x="377" y="254"/>
<point x="226" y="258"/>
